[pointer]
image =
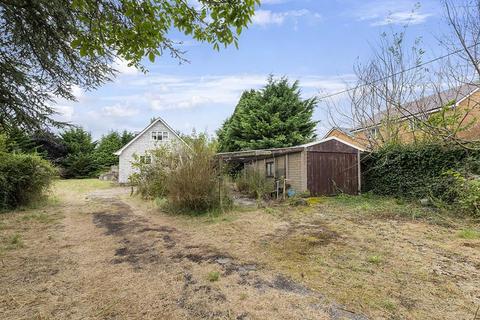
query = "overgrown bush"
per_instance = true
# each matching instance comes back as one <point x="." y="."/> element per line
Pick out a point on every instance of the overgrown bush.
<point x="24" y="178"/>
<point x="465" y="191"/>
<point x="195" y="181"/>
<point x="189" y="177"/>
<point x="251" y="182"/>
<point x="150" y="178"/>
<point x="424" y="171"/>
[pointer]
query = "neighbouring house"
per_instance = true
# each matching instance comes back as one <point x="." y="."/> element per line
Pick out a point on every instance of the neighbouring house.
<point x="324" y="167"/>
<point x="346" y="135"/>
<point x="154" y="135"/>
<point x="404" y="124"/>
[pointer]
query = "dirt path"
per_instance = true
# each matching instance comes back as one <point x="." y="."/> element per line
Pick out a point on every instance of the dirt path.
<point x="165" y="274"/>
<point x="94" y="252"/>
<point x="102" y="258"/>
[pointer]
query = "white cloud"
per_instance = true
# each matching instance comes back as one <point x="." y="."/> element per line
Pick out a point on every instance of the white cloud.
<point x="65" y="113"/>
<point x="380" y="13"/>
<point x="167" y="92"/>
<point x="186" y="101"/>
<point x="119" y="111"/>
<point x="123" y="68"/>
<point x="268" y="17"/>
<point x="192" y="92"/>
<point x="77" y="92"/>
<point x="402" y="17"/>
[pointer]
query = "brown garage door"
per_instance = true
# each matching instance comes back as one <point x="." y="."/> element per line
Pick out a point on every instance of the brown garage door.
<point x="331" y="173"/>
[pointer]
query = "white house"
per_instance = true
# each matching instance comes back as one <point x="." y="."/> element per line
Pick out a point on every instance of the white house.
<point x="157" y="133"/>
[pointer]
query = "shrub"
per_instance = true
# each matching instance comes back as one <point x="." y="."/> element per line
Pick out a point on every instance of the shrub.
<point x="23" y="179"/>
<point x="464" y="192"/>
<point x="188" y="177"/>
<point x="254" y="184"/>
<point x="195" y="181"/>
<point x="441" y="172"/>
<point x="151" y="178"/>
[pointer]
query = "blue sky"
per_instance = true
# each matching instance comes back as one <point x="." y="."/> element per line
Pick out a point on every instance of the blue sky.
<point x="313" y="41"/>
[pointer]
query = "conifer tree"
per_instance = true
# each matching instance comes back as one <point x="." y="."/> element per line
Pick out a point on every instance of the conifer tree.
<point x="275" y="116"/>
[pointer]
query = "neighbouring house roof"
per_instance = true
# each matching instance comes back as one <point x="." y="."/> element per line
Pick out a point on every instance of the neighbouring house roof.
<point x="119" y="152"/>
<point x="428" y="104"/>
<point x="346" y="131"/>
<point x="248" y="154"/>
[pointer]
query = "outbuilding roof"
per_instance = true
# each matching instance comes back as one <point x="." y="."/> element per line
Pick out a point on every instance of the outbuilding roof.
<point x="248" y="154"/>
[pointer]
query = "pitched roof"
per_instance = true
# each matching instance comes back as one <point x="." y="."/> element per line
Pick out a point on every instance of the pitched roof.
<point x="346" y="131"/>
<point x="145" y="130"/>
<point x="428" y="104"/>
<point x="280" y="151"/>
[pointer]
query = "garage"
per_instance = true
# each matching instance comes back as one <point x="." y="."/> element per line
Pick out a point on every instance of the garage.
<point x="325" y="167"/>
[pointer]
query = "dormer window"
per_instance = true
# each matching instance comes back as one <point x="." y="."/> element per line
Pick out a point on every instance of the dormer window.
<point x="159" y="135"/>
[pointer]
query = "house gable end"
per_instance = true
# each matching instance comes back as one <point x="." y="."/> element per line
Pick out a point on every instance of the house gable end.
<point x="158" y="125"/>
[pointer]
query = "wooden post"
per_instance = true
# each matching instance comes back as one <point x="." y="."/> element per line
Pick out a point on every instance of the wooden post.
<point x="359" y="173"/>
<point x="277" y="186"/>
<point x="284" y="188"/>
<point x="220" y="183"/>
<point x="286" y="167"/>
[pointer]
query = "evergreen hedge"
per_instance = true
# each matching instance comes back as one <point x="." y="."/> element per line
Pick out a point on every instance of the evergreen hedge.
<point x="23" y="179"/>
<point x="446" y="174"/>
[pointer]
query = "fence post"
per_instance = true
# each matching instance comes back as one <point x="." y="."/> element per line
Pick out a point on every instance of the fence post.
<point x="220" y="183"/>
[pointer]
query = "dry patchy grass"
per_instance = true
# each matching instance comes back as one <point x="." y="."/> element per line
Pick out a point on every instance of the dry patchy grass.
<point x="98" y="253"/>
<point x="383" y="257"/>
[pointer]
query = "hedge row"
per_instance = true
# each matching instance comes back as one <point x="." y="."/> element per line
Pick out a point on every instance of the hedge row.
<point x="23" y="179"/>
<point x="444" y="173"/>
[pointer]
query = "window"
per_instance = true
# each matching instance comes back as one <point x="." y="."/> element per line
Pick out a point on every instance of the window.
<point x="159" y="135"/>
<point x="416" y="122"/>
<point x="269" y="170"/>
<point x="412" y="124"/>
<point x="373" y="133"/>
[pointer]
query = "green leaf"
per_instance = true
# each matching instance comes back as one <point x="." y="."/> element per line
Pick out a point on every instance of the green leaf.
<point x="151" y="57"/>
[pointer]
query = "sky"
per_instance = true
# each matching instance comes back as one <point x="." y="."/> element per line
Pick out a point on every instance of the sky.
<point x="313" y="41"/>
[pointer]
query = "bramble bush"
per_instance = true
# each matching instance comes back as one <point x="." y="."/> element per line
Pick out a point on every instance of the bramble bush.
<point x="24" y="178"/>
<point x="445" y="173"/>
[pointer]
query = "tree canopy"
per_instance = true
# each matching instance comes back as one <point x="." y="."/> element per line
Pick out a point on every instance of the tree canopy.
<point x="107" y="145"/>
<point x="275" y="116"/>
<point x="49" y="46"/>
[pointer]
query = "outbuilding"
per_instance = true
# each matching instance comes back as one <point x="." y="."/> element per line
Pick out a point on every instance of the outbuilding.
<point x="325" y="167"/>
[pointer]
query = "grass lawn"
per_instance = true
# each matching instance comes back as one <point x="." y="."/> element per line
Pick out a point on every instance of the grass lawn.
<point x="93" y="251"/>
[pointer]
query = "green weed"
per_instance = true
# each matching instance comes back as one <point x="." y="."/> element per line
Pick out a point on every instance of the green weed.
<point x="469" y="234"/>
<point x="38" y="217"/>
<point x="213" y="276"/>
<point x="15" y="242"/>
<point x="389" y="305"/>
<point x="375" y="259"/>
